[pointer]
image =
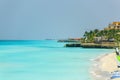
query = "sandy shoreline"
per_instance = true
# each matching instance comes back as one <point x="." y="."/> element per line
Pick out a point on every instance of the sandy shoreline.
<point x="103" y="66"/>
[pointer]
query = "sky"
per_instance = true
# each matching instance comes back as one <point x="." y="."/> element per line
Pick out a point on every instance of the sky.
<point x="54" y="19"/>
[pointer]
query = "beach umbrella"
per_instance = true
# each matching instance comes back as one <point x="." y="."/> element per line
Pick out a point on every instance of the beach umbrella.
<point x="118" y="58"/>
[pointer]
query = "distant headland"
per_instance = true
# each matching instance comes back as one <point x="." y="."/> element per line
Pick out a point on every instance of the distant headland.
<point x="109" y="37"/>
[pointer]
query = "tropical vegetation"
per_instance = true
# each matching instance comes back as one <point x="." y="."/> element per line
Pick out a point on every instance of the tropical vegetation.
<point x="113" y="34"/>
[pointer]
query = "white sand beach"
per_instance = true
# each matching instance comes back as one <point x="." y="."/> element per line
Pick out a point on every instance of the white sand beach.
<point x="104" y="66"/>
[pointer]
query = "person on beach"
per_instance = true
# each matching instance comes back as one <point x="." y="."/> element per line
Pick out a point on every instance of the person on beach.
<point x="118" y="56"/>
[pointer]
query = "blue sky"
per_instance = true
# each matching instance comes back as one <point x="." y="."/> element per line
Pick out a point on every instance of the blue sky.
<point x="56" y="19"/>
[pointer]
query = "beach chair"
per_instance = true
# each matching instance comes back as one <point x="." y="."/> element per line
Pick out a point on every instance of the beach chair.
<point x="115" y="75"/>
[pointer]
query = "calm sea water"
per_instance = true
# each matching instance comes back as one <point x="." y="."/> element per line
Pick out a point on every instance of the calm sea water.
<point x="45" y="60"/>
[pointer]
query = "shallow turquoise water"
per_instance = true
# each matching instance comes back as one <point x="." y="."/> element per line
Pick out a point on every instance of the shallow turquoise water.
<point x="45" y="60"/>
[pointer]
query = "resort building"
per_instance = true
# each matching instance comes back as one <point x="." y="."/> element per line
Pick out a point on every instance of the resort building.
<point x="100" y="39"/>
<point x="114" y="25"/>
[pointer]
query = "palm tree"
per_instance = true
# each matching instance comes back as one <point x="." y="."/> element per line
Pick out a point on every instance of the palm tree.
<point x="86" y="34"/>
<point x="117" y="38"/>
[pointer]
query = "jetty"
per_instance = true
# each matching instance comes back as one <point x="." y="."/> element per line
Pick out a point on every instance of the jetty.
<point x="107" y="45"/>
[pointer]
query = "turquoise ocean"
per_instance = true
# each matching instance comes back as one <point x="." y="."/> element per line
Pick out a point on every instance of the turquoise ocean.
<point x="45" y="60"/>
